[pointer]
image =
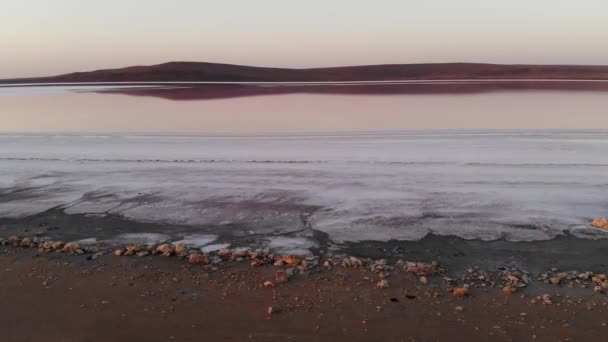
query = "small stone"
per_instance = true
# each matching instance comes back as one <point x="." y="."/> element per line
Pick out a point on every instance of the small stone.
<point x="420" y="269"/>
<point x="460" y="292"/>
<point x="345" y="263"/>
<point x="509" y="290"/>
<point x="165" y="250"/>
<point x="197" y="258"/>
<point x="181" y="250"/>
<point x="14" y="240"/>
<point x="327" y="264"/>
<point x="57" y="245"/>
<point x="292" y="260"/>
<point x="600" y="222"/>
<point x="546" y="299"/>
<point x="355" y="262"/>
<point x="224" y="252"/>
<point x="26" y="242"/>
<point x="132" y="249"/>
<point x="382" y="284"/>
<point x="118" y="252"/>
<point x="598" y="289"/>
<point x="270" y="311"/>
<point x="459" y="308"/>
<point x="268" y="283"/>
<point x="281" y="277"/>
<point x="423" y="280"/>
<point x="73" y="248"/>
<point x="555" y="280"/>
<point x="142" y="253"/>
<point x="512" y="278"/>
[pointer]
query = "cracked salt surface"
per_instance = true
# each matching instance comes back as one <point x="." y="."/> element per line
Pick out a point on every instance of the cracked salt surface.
<point x="513" y="185"/>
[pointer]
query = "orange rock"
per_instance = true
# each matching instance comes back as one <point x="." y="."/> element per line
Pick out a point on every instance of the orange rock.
<point x="56" y="245"/>
<point x="509" y="290"/>
<point x="460" y="292"/>
<point x="291" y="260"/>
<point x="600" y="222"/>
<point x="224" y="252"/>
<point x="382" y="284"/>
<point x="72" y="247"/>
<point x="165" y="250"/>
<point x="281" y="277"/>
<point x="14" y="240"/>
<point x="197" y="258"/>
<point x="181" y="250"/>
<point x="512" y="278"/>
<point x="26" y="242"/>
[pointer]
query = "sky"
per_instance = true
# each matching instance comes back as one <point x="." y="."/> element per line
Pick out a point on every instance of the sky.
<point x="48" y="37"/>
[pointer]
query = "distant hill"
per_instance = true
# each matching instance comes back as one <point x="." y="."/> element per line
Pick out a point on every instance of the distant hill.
<point x="200" y="71"/>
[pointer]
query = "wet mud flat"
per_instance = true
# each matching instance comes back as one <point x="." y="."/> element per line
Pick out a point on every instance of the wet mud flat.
<point x="455" y="254"/>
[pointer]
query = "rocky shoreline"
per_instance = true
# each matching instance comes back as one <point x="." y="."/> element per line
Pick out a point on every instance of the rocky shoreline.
<point x="506" y="279"/>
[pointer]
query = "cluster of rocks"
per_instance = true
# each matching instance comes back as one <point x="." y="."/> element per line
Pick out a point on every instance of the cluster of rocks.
<point x="195" y="256"/>
<point x="508" y="279"/>
<point x="600" y="222"/>
<point x="598" y="281"/>
<point x="44" y="246"/>
<point x="544" y="299"/>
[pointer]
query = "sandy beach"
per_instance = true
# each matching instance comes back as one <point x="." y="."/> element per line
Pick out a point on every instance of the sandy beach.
<point x="62" y="297"/>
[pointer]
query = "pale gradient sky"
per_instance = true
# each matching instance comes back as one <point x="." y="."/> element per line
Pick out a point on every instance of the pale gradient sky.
<point x="45" y="37"/>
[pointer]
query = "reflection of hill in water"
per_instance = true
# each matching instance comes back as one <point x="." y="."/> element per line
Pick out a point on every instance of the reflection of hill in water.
<point x="208" y="92"/>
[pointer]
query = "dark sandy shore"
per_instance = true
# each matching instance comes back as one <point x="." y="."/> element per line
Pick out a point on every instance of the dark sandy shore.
<point x="52" y="296"/>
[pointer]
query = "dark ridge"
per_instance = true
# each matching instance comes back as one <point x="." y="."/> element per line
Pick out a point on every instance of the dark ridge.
<point x="216" y="72"/>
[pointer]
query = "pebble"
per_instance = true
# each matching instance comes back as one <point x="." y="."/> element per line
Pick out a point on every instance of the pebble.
<point x="197" y="258"/>
<point x="26" y="242"/>
<point x="509" y="290"/>
<point x="281" y="276"/>
<point x="460" y="292"/>
<point x="224" y="252"/>
<point x="165" y="250"/>
<point x="180" y="249"/>
<point x="382" y="284"/>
